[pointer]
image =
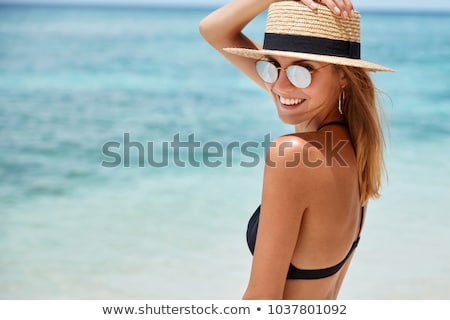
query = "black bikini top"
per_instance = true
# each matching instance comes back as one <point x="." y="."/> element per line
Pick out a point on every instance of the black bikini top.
<point x="293" y="272"/>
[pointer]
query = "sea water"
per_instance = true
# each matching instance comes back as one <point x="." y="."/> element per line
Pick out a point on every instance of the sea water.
<point x="88" y="96"/>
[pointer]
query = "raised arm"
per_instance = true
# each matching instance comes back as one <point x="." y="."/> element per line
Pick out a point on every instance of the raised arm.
<point x="223" y="28"/>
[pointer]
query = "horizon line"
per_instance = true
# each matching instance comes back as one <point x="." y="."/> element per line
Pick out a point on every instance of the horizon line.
<point x="425" y="11"/>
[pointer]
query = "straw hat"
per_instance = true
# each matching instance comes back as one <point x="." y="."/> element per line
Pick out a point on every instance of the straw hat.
<point x="293" y="30"/>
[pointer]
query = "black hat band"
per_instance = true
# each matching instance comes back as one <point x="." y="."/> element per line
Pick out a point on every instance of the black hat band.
<point x="313" y="45"/>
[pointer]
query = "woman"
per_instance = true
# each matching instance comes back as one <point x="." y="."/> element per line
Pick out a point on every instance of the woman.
<point x="317" y="180"/>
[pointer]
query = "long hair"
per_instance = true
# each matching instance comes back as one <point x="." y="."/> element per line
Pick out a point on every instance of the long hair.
<point x="363" y="117"/>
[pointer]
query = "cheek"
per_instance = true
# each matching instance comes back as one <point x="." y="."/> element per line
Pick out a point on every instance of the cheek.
<point x="324" y="90"/>
<point x="272" y="94"/>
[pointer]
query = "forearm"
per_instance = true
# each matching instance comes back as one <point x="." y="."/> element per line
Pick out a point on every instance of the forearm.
<point x="223" y="27"/>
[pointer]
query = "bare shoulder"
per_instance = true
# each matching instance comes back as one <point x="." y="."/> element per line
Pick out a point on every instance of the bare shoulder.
<point x="293" y="154"/>
<point x="293" y="168"/>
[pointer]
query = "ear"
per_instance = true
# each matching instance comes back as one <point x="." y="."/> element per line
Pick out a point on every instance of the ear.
<point x="343" y="81"/>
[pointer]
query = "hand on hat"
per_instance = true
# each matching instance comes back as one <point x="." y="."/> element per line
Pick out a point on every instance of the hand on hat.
<point x="342" y="8"/>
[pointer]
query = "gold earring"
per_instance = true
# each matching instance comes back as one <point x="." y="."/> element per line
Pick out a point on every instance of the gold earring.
<point x="341" y="99"/>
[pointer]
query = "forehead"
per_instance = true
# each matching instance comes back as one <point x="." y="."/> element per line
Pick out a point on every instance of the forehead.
<point x="287" y="60"/>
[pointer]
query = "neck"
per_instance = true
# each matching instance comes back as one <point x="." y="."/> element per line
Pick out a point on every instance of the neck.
<point x="315" y="124"/>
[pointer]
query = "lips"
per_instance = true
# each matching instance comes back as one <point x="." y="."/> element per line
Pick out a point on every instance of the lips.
<point x="291" y="103"/>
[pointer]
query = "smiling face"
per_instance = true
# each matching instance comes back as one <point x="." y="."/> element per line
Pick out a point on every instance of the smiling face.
<point x="307" y="108"/>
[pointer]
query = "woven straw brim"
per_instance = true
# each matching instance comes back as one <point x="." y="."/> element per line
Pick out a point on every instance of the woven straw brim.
<point x="292" y="18"/>
<point x="258" y="54"/>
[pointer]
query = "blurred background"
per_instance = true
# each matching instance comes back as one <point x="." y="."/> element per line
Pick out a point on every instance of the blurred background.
<point x="76" y="76"/>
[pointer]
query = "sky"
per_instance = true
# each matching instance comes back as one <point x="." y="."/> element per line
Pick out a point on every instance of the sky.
<point x="359" y="4"/>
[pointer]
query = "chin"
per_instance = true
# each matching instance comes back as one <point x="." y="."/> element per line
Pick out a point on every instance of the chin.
<point x="289" y="119"/>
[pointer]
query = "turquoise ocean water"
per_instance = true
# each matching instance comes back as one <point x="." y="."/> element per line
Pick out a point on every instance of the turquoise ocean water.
<point x="76" y="80"/>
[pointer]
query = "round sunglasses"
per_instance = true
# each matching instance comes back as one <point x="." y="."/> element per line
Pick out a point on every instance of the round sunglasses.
<point x="298" y="75"/>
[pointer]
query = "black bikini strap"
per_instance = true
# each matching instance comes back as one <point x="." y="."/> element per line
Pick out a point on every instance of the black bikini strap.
<point x="308" y="274"/>
<point x="340" y="123"/>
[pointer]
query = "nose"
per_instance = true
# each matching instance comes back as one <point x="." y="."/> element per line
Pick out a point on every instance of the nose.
<point x="283" y="84"/>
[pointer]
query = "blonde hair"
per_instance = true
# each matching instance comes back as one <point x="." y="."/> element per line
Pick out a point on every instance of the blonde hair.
<point x="364" y="122"/>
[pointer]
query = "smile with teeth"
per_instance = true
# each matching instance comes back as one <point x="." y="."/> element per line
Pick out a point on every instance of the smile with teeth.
<point x="291" y="102"/>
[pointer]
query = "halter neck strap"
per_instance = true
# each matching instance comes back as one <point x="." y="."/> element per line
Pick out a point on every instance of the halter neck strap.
<point x="340" y="123"/>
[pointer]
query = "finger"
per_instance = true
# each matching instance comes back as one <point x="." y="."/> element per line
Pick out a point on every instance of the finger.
<point x="348" y="8"/>
<point x="342" y="5"/>
<point x="332" y="6"/>
<point x="310" y="3"/>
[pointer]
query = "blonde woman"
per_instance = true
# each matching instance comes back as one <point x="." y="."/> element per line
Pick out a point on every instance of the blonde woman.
<point x="318" y="179"/>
